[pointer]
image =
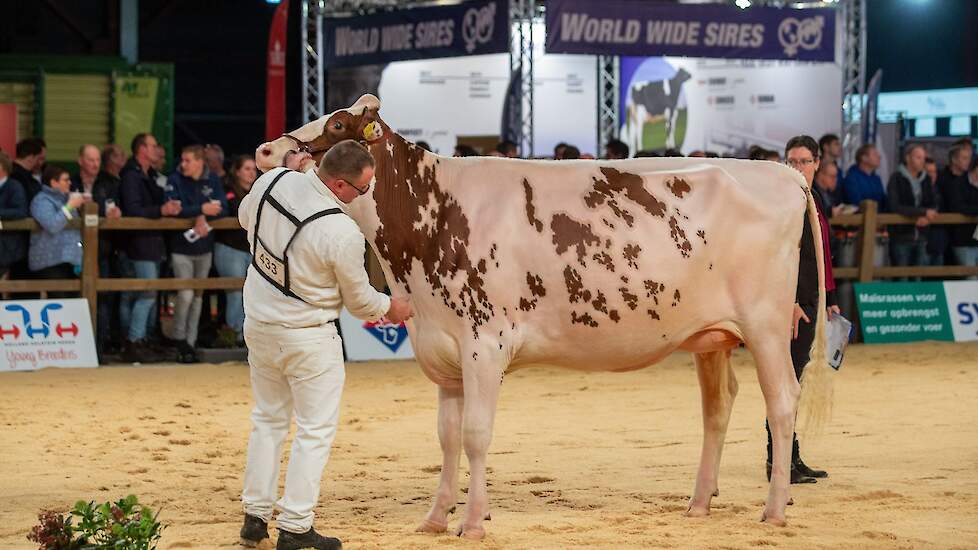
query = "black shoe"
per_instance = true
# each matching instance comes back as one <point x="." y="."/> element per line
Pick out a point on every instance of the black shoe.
<point x="796" y="476"/>
<point x="186" y="353"/>
<point x="803" y="469"/>
<point x="253" y="531"/>
<point x="310" y="539"/>
<point x="139" y="352"/>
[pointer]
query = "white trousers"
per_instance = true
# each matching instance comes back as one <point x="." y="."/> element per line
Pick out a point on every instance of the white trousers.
<point x="297" y="370"/>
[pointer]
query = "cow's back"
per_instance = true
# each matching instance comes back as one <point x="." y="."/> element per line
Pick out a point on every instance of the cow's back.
<point x="610" y="265"/>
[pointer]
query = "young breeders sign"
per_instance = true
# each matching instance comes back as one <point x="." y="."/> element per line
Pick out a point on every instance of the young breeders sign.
<point x="627" y="27"/>
<point x="46" y="333"/>
<point x="469" y="28"/>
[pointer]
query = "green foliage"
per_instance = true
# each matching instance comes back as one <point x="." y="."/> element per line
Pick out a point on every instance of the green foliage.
<point x="120" y="525"/>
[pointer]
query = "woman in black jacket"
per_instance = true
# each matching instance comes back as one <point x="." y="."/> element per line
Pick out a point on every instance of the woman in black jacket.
<point x="231" y="252"/>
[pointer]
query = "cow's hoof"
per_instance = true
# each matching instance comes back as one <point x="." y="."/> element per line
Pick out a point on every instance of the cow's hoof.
<point x="697" y="511"/>
<point x="471" y="533"/>
<point x="429" y="526"/>
<point x="772" y="520"/>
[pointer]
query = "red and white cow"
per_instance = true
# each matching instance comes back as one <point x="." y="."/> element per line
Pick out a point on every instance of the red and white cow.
<point x="590" y="265"/>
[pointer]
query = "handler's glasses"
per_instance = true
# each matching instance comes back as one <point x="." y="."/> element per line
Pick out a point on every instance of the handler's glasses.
<point x="361" y="192"/>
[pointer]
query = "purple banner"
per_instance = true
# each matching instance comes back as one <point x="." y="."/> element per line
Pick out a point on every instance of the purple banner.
<point x="476" y="27"/>
<point x="639" y="28"/>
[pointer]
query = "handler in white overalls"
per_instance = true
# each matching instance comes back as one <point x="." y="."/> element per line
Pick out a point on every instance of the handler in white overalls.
<point x="307" y="263"/>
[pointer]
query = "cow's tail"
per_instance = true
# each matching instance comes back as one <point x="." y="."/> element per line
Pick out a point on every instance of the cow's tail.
<point x="815" y="406"/>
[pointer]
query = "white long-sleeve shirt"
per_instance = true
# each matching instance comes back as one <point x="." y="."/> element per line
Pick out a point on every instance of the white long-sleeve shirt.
<point x="325" y="260"/>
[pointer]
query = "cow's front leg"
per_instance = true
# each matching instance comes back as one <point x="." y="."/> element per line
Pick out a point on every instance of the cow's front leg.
<point x="718" y="387"/>
<point x="450" y="435"/>
<point x="481" y="383"/>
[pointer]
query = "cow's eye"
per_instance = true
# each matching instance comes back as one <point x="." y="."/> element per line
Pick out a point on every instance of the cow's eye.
<point x="338" y="125"/>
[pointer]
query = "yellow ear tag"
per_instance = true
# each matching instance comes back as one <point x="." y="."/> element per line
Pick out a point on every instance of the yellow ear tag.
<point x="373" y="131"/>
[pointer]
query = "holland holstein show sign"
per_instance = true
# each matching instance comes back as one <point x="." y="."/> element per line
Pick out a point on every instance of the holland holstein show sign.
<point x="470" y="28"/>
<point x="633" y="28"/>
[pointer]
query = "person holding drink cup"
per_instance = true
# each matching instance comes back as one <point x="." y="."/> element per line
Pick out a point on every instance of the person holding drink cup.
<point x="55" y="251"/>
<point x="202" y="198"/>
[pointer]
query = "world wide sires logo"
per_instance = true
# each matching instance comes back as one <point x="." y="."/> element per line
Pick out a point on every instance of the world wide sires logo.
<point x="804" y="33"/>
<point x="388" y="334"/>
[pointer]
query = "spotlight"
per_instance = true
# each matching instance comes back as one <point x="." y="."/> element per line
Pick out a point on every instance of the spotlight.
<point x="743" y="4"/>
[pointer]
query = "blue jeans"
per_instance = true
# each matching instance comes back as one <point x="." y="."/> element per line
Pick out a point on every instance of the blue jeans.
<point x="231" y="262"/>
<point x="908" y="253"/>
<point x="967" y="255"/>
<point x="136" y="307"/>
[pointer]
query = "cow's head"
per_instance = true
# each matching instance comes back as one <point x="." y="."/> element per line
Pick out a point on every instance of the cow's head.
<point x="359" y="122"/>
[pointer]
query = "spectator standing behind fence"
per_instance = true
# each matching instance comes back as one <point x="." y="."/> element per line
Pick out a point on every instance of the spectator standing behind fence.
<point x="31" y="155"/>
<point x="144" y="250"/>
<point x="214" y="156"/>
<point x="616" y="149"/>
<point x="113" y="159"/>
<point x="830" y="148"/>
<point x="202" y="198"/>
<point x="909" y="193"/>
<point x="232" y="255"/>
<point x="937" y="239"/>
<point x="963" y="199"/>
<point x="861" y="181"/>
<point x="103" y="189"/>
<point x="55" y="250"/>
<point x="956" y="171"/>
<point x="13" y="206"/>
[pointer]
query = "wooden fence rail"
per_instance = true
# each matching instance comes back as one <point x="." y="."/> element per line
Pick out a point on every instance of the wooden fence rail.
<point x="868" y="221"/>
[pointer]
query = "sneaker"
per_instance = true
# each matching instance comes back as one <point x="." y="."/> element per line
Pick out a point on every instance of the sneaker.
<point x="288" y="540"/>
<point x="253" y="531"/>
<point x="139" y="352"/>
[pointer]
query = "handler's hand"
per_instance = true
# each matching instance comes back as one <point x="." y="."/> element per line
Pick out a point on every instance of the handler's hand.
<point x="833" y="311"/>
<point x="294" y="161"/>
<point x="795" y="316"/>
<point x="399" y="311"/>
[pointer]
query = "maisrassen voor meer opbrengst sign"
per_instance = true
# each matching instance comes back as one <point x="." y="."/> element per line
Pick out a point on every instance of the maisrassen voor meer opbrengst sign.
<point x="910" y="312"/>
<point x="632" y="28"/>
<point x="46" y="333"/>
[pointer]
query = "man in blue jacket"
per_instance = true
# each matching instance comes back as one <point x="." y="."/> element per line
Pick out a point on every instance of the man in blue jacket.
<point x="13" y="206"/>
<point x="862" y="182"/>
<point x="143" y="250"/>
<point x="202" y="198"/>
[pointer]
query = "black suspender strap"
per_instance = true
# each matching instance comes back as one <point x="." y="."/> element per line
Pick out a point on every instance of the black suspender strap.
<point x="261" y="203"/>
<point x="284" y="261"/>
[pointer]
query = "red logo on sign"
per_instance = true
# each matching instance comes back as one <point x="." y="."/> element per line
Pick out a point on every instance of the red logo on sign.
<point x="10" y="331"/>
<point x="62" y="330"/>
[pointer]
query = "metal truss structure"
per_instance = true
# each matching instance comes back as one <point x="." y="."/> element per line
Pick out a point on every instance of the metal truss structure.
<point x="853" y="77"/>
<point x="313" y="75"/>
<point x="608" y="103"/>
<point x="521" y="13"/>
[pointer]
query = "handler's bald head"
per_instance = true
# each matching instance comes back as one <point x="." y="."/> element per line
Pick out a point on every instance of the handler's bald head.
<point x="346" y="160"/>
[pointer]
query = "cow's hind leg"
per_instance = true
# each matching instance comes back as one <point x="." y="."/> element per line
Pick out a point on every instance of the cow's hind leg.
<point x="718" y="387"/>
<point x="482" y="380"/>
<point x="781" y="391"/>
<point x="450" y="436"/>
